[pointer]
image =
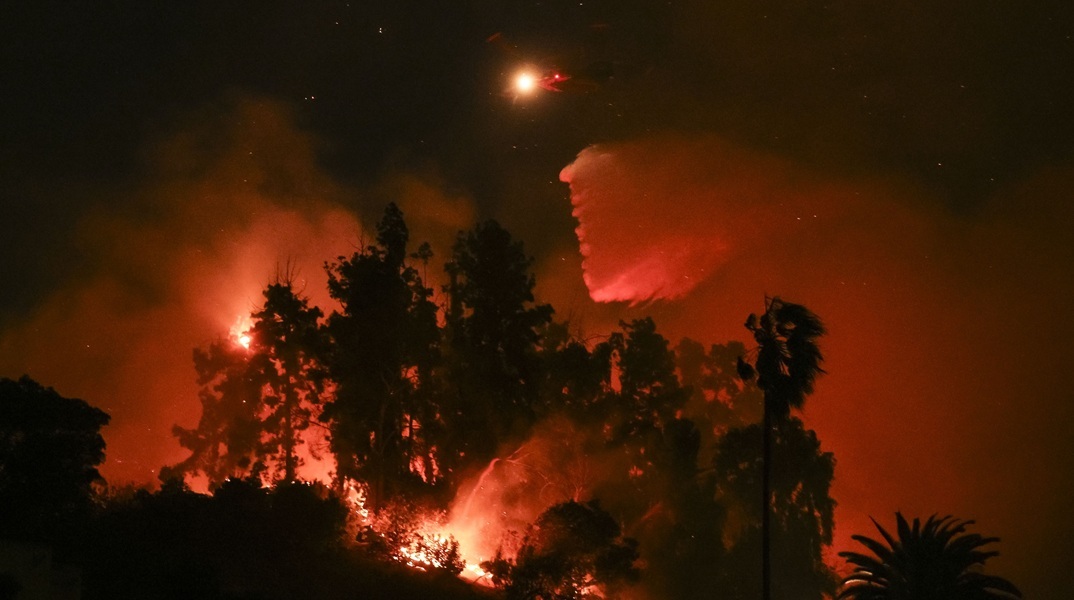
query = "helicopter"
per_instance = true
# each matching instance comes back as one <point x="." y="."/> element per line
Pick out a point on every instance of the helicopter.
<point x="531" y="77"/>
<point x="587" y="79"/>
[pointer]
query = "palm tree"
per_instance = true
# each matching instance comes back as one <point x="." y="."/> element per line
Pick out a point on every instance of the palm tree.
<point x="787" y="365"/>
<point x="931" y="561"/>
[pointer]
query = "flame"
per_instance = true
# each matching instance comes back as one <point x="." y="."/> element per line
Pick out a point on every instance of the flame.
<point x="240" y="331"/>
<point x="428" y="551"/>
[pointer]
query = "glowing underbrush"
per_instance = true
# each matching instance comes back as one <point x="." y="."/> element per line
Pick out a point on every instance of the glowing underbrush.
<point x="415" y="537"/>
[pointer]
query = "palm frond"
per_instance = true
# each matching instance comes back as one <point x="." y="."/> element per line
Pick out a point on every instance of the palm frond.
<point x="996" y="587"/>
<point x="938" y="556"/>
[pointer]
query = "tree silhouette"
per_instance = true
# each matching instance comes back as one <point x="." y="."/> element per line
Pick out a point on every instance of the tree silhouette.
<point x="494" y="328"/>
<point x="648" y="384"/>
<point x="385" y="344"/>
<point x="257" y="397"/>
<point x="244" y="541"/>
<point x="639" y="410"/>
<point x="50" y="447"/>
<point x="287" y="345"/>
<point x="787" y="364"/>
<point x="719" y="398"/>
<point x="931" y="561"/>
<point x="572" y="379"/>
<point x="681" y="532"/>
<point x="227" y="439"/>
<point x="801" y="512"/>
<point x="571" y="550"/>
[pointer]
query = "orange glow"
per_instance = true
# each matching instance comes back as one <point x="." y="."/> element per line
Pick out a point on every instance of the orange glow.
<point x="713" y="226"/>
<point x="240" y="331"/>
<point x="525" y="83"/>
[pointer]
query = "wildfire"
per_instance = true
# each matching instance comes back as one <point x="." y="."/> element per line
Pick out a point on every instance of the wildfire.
<point x="419" y="539"/>
<point x="489" y="516"/>
<point x="432" y="551"/>
<point x="240" y="331"/>
<point x="439" y="552"/>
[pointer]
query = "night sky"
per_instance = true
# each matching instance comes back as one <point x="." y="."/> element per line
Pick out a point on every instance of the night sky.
<point x="905" y="170"/>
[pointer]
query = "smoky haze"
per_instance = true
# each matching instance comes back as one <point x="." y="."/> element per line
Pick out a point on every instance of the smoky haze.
<point x="946" y="390"/>
<point x="948" y="331"/>
<point x="234" y="198"/>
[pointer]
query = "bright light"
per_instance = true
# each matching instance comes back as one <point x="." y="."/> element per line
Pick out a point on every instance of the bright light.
<point x="240" y="331"/>
<point x="525" y="83"/>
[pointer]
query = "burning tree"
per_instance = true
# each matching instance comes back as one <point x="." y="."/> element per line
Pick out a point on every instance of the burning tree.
<point x="287" y="345"/>
<point x="258" y="395"/>
<point x="416" y="402"/>
<point x="403" y="532"/>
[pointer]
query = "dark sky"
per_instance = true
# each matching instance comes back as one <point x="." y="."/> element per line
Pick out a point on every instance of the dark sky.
<point x="905" y="169"/>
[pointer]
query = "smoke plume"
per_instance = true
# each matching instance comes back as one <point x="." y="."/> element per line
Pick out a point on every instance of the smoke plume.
<point x="233" y="198"/>
<point x="946" y="330"/>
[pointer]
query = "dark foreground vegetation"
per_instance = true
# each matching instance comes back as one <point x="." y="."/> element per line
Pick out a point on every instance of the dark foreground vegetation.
<point x="681" y="470"/>
<point x="244" y="541"/>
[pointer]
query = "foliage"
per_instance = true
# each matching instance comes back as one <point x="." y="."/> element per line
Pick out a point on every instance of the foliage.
<point x="642" y="390"/>
<point x="495" y="329"/>
<point x="245" y="541"/>
<point x="385" y="345"/>
<point x="404" y="532"/>
<point x="787" y="365"/>
<point x="50" y="447"/>
<point x="802" y="509"/>
<point x="931" y="561"/>
<point x="257" y="398"/>
<point x="637" y="412"/>
<point x="572" y="377"/>
<point x="416" y="396"/>
<point x="227" y="440"/>
<point x="681" y="533"/>
<point x="719" y="398"/>
<point x="287" y="344"/>
<point x="788" y="359"/>
<point x="802" y="474"/>
<point x="573" y="551"/>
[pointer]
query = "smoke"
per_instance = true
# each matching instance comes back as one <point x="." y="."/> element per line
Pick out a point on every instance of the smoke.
<point x="948" y="332"/>
<point x="434" y="215"/>
<point x="560" y="461"/>
<point x="658" y="218"/>
<point x="232" y="198"/>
